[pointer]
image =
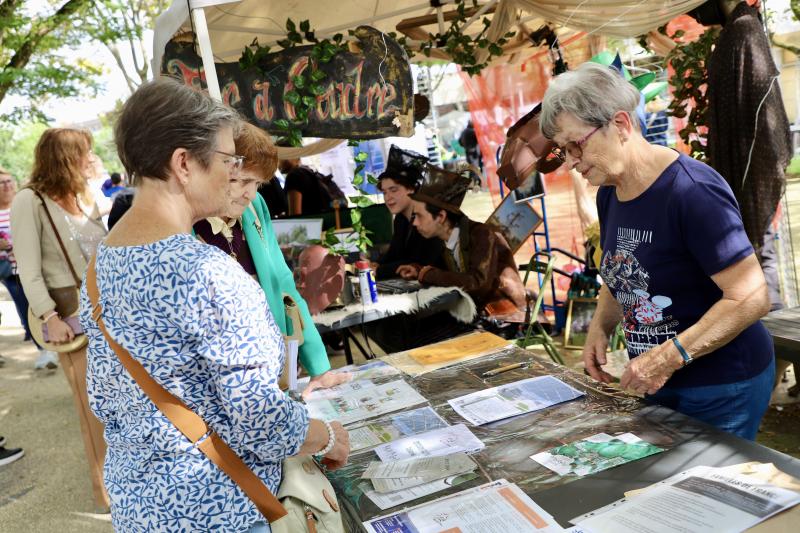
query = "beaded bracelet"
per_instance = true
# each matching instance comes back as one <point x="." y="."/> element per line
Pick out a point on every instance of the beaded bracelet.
<point x="331" y="441"/>
<point x="50" y="315"/>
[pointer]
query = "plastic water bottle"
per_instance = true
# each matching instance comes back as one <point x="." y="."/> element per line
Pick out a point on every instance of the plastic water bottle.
<point x="366" y="282"/>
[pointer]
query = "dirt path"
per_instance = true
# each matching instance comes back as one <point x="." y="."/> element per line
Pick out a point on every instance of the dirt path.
<point x="48" y="490"/>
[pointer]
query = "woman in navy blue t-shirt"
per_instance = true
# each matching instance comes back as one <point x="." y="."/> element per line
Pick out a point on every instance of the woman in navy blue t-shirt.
<point x="678" y="269"/>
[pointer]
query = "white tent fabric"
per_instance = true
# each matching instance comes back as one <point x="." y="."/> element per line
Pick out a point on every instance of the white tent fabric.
<point x="233" y="24"/>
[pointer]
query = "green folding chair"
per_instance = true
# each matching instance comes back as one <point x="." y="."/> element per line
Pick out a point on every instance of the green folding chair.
<point x="535" y="334"/>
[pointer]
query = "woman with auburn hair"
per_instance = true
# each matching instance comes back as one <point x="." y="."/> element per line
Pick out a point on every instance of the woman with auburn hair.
<point x="57" y="228"/>
<point x="245" y="233"/>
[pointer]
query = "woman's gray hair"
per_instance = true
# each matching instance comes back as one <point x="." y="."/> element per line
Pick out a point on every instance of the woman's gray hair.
<point x="162" y="116"/>
<point x="593" y="94"/>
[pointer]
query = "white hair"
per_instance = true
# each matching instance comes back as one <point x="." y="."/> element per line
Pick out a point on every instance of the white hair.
<point x="593" y="94"/>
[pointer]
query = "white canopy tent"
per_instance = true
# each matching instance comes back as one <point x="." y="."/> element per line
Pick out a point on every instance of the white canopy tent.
<point x="225" y="27"/>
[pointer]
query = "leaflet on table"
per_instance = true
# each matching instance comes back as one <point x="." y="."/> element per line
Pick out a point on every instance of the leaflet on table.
<point x="425" y="467"/>
<point x="513" y="399"/>
<point x="698" y="500"/>
<point x="441" y="441"/>
<point x="371" y="370"/>
<point x="393" y="499"/>
<point x="343" y="388"/>
<point x="497" y="507"/>
<point x="392" y="485"/>
<point x="400" y="425"/>
<point x="356" y="405"/>
<point x="594" y="454"/>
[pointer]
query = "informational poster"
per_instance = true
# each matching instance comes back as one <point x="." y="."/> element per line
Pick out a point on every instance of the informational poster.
<point x="594" y="454"/>
<point x="513" y="399"/>
<point x="497" y="507"/>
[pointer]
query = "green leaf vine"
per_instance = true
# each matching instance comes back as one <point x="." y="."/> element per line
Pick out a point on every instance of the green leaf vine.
<point x="462" y="48"/>
<point x="307" y="85"/>
<point x="689" y="88"/>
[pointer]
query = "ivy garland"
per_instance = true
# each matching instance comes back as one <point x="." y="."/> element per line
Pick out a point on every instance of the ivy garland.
<point x="461" y="47"/>
<point x="308" y="84"/>
<point x="689" y="87"/>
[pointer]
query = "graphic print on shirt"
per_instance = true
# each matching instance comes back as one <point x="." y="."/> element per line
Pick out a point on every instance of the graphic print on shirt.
<point x="644" y="321"/>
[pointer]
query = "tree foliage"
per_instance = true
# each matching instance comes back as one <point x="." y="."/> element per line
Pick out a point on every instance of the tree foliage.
<point x="120" y="26"/>
<point x="31" y="65"/>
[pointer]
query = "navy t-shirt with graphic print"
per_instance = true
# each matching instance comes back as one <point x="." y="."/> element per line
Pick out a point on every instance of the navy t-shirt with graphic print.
<point x="660" y="250"/>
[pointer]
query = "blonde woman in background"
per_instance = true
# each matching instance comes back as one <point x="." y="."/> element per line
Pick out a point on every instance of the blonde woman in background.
<point x="58" y="187"/>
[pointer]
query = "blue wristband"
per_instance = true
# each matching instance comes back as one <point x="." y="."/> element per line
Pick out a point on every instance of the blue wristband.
<point x="686" y="357"/>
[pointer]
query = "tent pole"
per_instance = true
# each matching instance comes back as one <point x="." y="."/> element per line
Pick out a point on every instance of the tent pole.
<point x="482" y="11"/>
<point x="203" y="39"/>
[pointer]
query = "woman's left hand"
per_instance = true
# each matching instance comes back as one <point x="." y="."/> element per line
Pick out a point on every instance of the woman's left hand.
<point x="647" y="373"/>
<point x="325" y="381"/>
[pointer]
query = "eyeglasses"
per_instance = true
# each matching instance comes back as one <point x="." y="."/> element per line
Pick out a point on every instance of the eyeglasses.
<point x="573" y="148"/>
<point x="233" y="161"/>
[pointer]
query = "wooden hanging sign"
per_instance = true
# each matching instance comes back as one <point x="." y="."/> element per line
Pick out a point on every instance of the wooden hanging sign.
<point x="367" y="93"/>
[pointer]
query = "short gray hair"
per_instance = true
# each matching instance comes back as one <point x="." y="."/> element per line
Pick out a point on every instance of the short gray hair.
<point x="593" y="94"/>
<point x="162" y="116"/>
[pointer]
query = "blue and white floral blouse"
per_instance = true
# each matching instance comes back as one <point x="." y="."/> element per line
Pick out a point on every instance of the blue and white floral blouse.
<point x="202" y="328"/>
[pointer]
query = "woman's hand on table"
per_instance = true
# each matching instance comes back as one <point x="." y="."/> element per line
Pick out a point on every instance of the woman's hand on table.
<point x="648" y="372"/>
<point x="58" y="331"/>
<point x="594" y="355"/>
<point x="326" y="380"/>
<point x="337" y="457"/>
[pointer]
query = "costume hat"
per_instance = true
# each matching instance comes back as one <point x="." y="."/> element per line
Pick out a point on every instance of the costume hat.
<point x="405" y="167"/>
<point x="443" y="189"/>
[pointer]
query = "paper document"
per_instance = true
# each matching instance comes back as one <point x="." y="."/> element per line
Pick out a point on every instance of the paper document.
<point x="341" y="389"/>
<point x="371" y="370"/>
<point x="442" y="441"/>
<point x="367" y="436"/>
<point x="458" y="348"/>
<point x="594" y="454"/>
<point x="355" y="405"/>
<point x="699" y="500"/>
<point x="426" y="467"/>
<point x="446" y="353"/>
<point x="513" y="399"/>
<point x="393" y="499"/>
<point x="497" y="507"/>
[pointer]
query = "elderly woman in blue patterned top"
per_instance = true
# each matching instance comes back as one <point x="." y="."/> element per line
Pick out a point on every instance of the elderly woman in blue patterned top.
<point x="678" y="268"/>
<point x="197" y="323"/>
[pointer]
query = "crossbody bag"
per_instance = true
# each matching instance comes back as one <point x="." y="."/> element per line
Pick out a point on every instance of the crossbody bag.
<point x="307" y="499"/>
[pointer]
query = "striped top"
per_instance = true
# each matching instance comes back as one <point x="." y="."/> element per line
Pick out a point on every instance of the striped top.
<point x="5" y="233"/>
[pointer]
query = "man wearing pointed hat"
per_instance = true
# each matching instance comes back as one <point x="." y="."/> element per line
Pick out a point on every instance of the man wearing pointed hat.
<point x="478" y="259"/>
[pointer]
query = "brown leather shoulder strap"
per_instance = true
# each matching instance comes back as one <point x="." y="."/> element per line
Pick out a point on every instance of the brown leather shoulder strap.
<point x="58" y="238"/>
<point x="186" y="420"/>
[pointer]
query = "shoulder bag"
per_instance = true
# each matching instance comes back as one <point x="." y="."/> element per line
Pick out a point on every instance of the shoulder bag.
<point x="67" y="300"/>
<point x="307" y="499"/>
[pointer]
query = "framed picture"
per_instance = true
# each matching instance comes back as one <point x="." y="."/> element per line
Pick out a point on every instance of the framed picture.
<point x="532" y="187"/>
<point x="297" y="232"/>
<point x="579" y="316"/>
<point x="516" y="221"/>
